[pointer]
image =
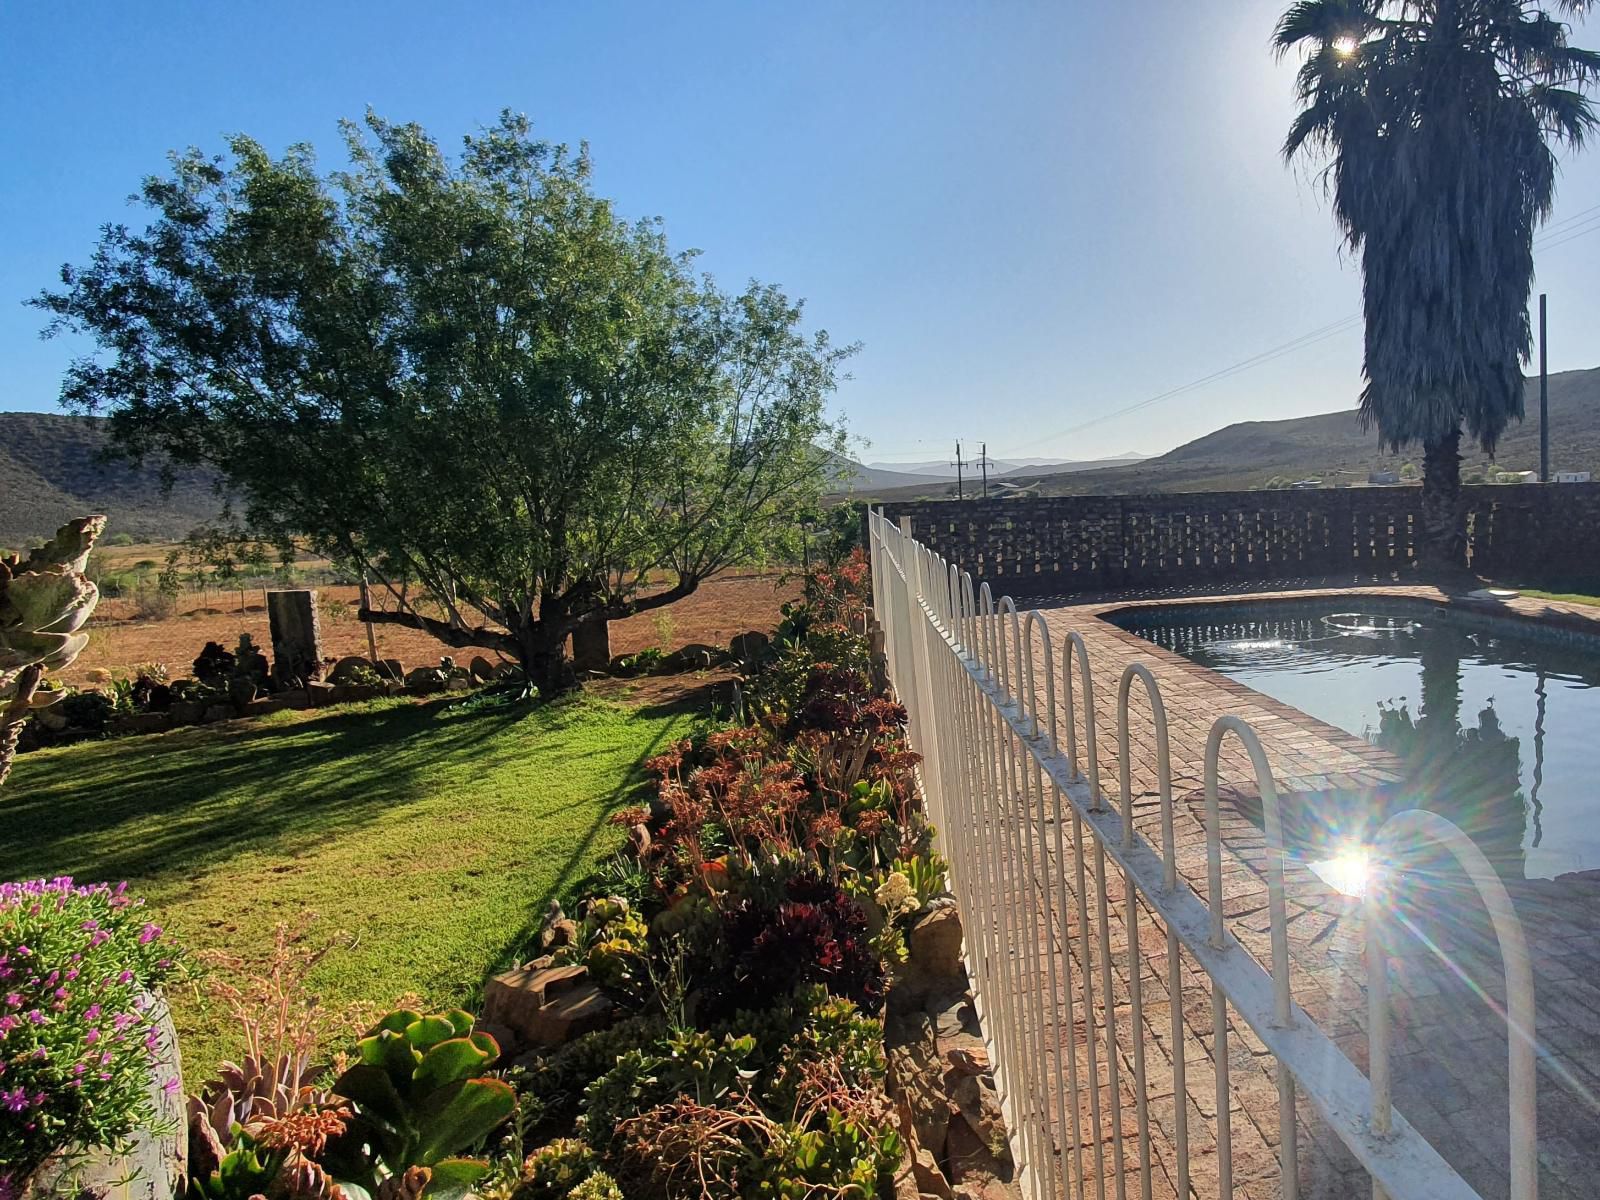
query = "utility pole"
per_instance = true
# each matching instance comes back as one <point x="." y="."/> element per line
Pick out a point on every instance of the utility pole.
<point x="958" y="464"/>
<point x="985" y="463"/>
<point x="1544" y="397"/>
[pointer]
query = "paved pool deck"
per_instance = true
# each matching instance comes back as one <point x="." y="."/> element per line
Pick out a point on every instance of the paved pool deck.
<point x="1449" y="1044"/>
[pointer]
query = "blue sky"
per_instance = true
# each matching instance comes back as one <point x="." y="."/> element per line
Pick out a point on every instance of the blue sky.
<point x="1029" y="214"/>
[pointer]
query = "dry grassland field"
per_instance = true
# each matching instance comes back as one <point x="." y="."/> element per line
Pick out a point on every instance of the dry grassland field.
<point x="121" y="640"/>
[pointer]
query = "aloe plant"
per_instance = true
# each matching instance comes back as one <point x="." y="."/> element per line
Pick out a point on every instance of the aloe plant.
<point x="44" y="601"/>
<point x="420" y="1102"/>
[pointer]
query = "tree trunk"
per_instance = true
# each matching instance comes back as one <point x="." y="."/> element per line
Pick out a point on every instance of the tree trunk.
<point x="591" y="646"/>
<point x="1443" y="550"/>
<point x="544" y="662"/>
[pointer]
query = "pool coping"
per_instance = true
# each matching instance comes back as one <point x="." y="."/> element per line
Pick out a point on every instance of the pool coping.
<point x="1530" y="614"/>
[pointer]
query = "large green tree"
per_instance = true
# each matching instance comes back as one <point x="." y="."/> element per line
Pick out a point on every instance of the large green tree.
<point x="1438" y="121"/>
<point x="522" y="415"/>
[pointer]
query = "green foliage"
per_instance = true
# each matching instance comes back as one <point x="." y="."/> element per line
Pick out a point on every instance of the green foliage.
<point x="420" y="1099"/>
<point x="78" y="1030"/>
<point x="646" y="423"/>
<point x="247" y="1170"/>
<point x="846" y="1154"/>
<point x="646" y="662"/>
<point x="686" y="1062"/>
<point x="598" y="1186"/>
<point x="552" y="1171"/>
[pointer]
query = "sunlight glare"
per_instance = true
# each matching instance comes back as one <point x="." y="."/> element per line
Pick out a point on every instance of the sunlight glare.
<point x="1345" y="46"/>
<point x="1347" y="872"/>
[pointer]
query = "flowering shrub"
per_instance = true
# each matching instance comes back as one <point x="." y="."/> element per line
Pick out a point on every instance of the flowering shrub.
<point x="78" y="1023"/>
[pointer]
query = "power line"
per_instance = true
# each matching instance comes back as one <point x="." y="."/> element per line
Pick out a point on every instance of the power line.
<point x="1554" y="236"/>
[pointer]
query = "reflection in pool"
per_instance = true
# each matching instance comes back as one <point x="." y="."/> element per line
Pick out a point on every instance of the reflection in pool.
<point x="1499" y="728"/>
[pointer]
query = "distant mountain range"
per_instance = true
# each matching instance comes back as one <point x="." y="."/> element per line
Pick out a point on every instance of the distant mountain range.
<point x="1331" y="447"/>
<point x="49" y="470"/>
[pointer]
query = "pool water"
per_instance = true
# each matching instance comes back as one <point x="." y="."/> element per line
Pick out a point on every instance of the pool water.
<point x="1498" y="727"/>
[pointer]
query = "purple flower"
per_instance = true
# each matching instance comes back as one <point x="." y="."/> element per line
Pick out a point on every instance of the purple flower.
<point x="16" y="1099"/>
<point x="149" y="933"/>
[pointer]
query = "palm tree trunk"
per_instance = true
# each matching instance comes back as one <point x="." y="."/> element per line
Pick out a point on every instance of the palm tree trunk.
<point x="1444" y="515"/>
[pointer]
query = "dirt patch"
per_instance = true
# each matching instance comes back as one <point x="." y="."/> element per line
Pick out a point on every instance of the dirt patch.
<point x="120" y="642"/>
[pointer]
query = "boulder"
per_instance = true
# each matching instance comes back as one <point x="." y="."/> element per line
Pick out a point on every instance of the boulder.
<point x="425" y="681"/>
<point x="321" y="692"/>
<point x="188" y="712"/>
<point x="978" y="1105"/>
<point x="349" y="669"/>
<point x="976" y="1171"/>
<point x="694" y="657"/>
<point x="391" y="668"/>
<point x="747" y="647"/>
<point x="458" y="683"/>
<point x="217" y="712"/>
<point x="933" y="964"/>
<point x="481" y="669"/>
<point x="916" y="1077"/>
<point x="146" y="722"/>
<point x="546" y="1006"/>
<point x="295" y="698"/>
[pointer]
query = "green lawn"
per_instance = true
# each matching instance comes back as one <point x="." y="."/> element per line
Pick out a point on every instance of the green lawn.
<point x="435" y="836"/>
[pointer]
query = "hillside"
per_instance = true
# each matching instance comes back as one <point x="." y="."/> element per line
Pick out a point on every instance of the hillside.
<point x="50" y="472"/>
<point x="1328" y="446"/>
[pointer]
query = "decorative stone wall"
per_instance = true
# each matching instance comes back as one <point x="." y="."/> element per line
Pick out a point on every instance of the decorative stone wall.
<point x="1077" y="544"/>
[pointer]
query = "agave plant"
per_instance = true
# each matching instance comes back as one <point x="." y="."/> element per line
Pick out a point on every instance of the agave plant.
<point x="245" y="1095"/>
<point x="44" y="601"/>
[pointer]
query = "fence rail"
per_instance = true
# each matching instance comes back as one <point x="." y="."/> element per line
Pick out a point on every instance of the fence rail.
<point x="1063" y="544"/>
<point x="1055" y="888"/>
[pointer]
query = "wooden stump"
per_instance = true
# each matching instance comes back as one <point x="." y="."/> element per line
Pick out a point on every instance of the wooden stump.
<point x="296" y="636"/>
<point x="591" y="647"/>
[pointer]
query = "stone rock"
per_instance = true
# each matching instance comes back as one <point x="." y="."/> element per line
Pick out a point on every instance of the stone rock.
<point x="391" y="668"/>
<point x="295" y="698"/>
<point x="976" y="1172"/>
<point x="350" y="693"/>
<point x="916" y="1077"/>
<point x="50" y="719"/>
<point x="457" y="683"/>
<point x="504" y="1036"/>
<point x="149" y="722"/>
<point x="546" y="1007"/>
<point x="320" y="691"/>
<point x="349" y="669"/>
<point x="481" y="669"/>
<point x="263" y="705"/>
<point x="747" y="647"/>
<point x="188" y="712"/>
<point x="978" y="1105"/>
<point x="217" y="712"/>
<point x="933" y="964"/>
<point x="424" y="681"/>
<point x="693" y="657"/>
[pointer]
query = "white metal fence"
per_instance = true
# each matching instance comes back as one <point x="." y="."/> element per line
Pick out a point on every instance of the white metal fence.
<point x="1083" y="943"/>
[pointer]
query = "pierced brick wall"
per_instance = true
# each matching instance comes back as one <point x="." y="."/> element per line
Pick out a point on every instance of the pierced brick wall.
<point x="1073" y="544"/>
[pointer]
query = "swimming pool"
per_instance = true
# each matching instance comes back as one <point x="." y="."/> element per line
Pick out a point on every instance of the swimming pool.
<point x="1496" y="720"/>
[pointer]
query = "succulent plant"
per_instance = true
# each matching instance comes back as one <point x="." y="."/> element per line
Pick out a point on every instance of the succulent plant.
<point x="244" y="1095"/>
<point x="44" y="600"/>
<point x="420" y="1101"/>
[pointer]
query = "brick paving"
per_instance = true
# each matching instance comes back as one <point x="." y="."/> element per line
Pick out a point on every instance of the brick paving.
<point x="1448" y="1044"/>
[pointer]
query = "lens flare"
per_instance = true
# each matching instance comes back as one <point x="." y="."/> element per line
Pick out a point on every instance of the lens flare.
<point x="1347" y="872"/>
<point x="1344" y="47"/>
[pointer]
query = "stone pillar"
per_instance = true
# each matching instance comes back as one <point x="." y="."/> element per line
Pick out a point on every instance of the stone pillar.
<point x="296" y="636"/>
<point x="591" y="647"/>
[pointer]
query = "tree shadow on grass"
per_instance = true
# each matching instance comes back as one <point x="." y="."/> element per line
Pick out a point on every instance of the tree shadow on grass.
<point x="181" y="802"/>
<point x="580" y="861"/>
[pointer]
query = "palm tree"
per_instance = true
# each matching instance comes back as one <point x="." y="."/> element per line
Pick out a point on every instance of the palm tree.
<point x="1437" y="121"/>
